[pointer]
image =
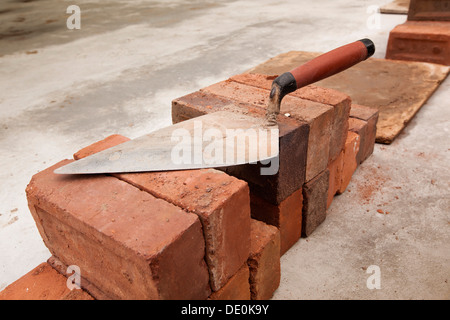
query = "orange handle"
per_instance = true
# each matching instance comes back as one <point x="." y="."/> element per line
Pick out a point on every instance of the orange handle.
<point x="333" y="62"/>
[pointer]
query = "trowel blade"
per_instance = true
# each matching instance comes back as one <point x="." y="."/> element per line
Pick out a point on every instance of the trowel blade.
<point x="218" y="139"/>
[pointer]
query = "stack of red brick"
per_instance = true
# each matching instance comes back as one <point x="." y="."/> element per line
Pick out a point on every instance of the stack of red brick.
<point x="159" y="235"/>
<point x="425" y="36"/>
<point x="427" y="41"/>
<point x="198" y="234"/>
<point x="323" y="138"/>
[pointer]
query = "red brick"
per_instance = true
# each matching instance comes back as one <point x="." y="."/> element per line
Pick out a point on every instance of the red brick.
<point x="349" y="160"/>
<point x="42" y="283"/>
<point x="287" y="217"/>
<point x="221" y="202"/>
<point x="427" y="41"/>
<point x="367" y="134"/>
<point x="293" y="143"/>
<point x="320" y="120"/>
<point x="318" y="116"/>
<point x="334" y="181"/>
<point x="126" y="242"/>
<point x="56" y="264"/>
<point x="361" y="128"/>
<point x="363" y="113"/>
<point x="236" y="288"/>
<point x="106" y="143"/>
<point x="339" y="129"/>
<point x="315" y="196"/>
<point x="339" y="101"/>
<point x="264" y="260"/>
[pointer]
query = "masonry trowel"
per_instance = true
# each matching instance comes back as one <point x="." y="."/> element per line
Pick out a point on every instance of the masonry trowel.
<point x="222" y="138"/>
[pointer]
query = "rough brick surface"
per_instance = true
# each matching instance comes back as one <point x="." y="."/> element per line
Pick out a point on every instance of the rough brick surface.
<point x="42" y="283"/>
<point x="315" y="195"/>
<point x="361" y="128"/>
<point x="363" y="112"/>
<point x="287" y="217"/>
<point x="85" y="284"/>
<point x="335" y="177"/>
<point x="318" y="116"/>
<point x="427" y="41"/>
<point x="264" y="260"/>
<point x="350" y="163"/>
<point x="339" y="101"/>
<point x="293" y="142"/>
<point x="370" y="116"/>
<point x="106" y="143"/>
<point x="320" y="120"/>
<point x="221" y="202"/>
<point x="236" y="288"/>
<point x="126" y="242"/>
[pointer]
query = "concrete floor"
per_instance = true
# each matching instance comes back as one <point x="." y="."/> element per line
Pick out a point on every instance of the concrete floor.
<point x="61" y="90"/>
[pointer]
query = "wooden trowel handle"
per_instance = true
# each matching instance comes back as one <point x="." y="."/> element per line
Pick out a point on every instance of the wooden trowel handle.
<point x="323" y="66"/>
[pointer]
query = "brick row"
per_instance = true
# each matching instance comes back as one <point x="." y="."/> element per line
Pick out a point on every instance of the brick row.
<point x="220" y="202"/>
<point x="126" y="242"/>
<point x="205" y="234"/>
<point x="334" y="124"/>
<point x="256" y="279"/>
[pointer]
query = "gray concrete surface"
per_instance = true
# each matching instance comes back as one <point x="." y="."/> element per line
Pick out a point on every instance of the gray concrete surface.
<point x="61" y="90"/>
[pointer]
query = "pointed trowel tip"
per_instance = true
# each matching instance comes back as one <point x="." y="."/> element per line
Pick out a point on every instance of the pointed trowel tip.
<point x="60" y="170"/>
<point x="66" y="169"/>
